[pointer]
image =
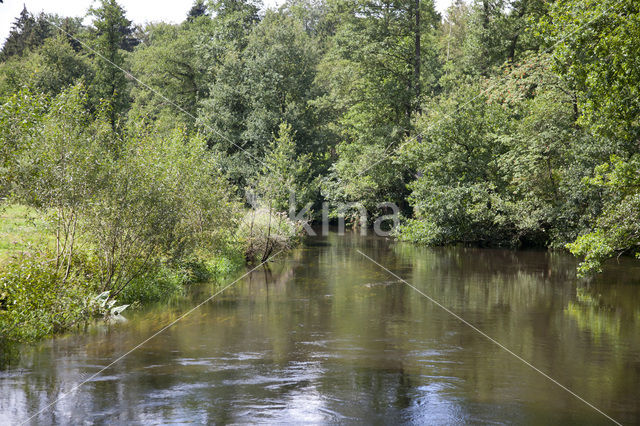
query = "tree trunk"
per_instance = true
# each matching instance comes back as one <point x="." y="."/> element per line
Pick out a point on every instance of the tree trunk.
<point x="514" y="40"/>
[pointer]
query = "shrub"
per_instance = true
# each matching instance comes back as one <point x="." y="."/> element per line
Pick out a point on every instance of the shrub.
<point x="35" y="301"/>
<point x="264" y="232"/>
<point x="165" y="200"/>
<point x="419" y="232"/>
<point x="132" y="198"/>
<point x="160" y="283"/>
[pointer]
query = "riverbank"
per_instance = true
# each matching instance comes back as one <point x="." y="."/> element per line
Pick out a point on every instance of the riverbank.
<point x="39" y="297"/>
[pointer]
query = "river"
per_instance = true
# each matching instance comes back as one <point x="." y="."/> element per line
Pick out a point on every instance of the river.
<point x="325" y="335"/>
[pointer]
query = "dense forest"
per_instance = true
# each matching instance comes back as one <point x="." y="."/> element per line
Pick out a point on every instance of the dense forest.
<point x="511" y="123"/>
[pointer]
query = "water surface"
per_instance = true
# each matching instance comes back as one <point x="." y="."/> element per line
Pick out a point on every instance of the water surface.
<point x="324" y="335"/>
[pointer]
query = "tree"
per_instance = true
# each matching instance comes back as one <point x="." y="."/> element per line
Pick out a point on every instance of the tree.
<point x="198" y="9"/>
<point x="269" y="82"/>
<point x="50" y="68"/>
<point x="459" y="189"/>
<point x="503" y="162"/>
<point x="110" y="35"/>
<point x="157" y="198"/>
<point x="58" y="66"/>
<point x="163" y="199"/>
<point x="20" y="119"/>
<point x="57" y="167"/>
<point x="485" y="34"/>
<point x="381" y="64"/>
<point x="236" y="19"/>
<point x="26" y="33"/>
<point x="286" y="174"/>
<point x="169" y="63"/>
<point x="597" y="46"/>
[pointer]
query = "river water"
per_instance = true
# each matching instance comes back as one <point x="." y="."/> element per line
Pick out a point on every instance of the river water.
<point x="325" y="335"/>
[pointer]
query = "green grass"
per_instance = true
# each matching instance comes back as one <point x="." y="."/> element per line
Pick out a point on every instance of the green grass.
<point x="21" y="229"/>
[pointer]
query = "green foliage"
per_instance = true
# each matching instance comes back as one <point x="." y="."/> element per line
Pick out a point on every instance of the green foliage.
<point x="122" y="211"/>
<point x="260" y="86"/>
<point x="504" y="163"/>
<point x="598" y="50"/>
<point x="171" y="61"/>
<point x="198" y="9"/>
<point x="109" y="37"/>
<point x="52" y="67"/>
<point x="57" y="158"/>
<point x="58" y="167"/>
<point x="617" y="229"/>
<point x="378" y="67"/>
<point x="27" y="32"/>
<point x="497" y="31"/>
<point x="164" y="281"/>
<point x="363" y="176"/>
<point x="460" y="189"/>
<point x="222" y="264"/>
<point x="164" y="198"/>
<point x="134" y="199"/>
<point x="286" y="174"/>
<point x="19" y="119"/>
<point x="33" y="304"/>
<point x="489" y="139"/>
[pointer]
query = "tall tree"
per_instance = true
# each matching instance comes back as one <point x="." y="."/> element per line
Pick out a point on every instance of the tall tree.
<point x="597" y="46"/>
<point x="169" y="62"/>
<point x="238" y="17"/>
<point x="27" y="32"/>
<point x="198" y="9"/>
<point x="111" y="34"/>
<point x="498" y="31"/>
<point x="258" y="88"/>
<point x="380" y="65"/>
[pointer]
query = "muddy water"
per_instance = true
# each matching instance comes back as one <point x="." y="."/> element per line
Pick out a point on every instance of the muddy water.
<point x="324" y="335"/>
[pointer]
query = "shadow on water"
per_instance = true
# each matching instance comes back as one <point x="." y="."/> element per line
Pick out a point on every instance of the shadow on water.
<point x="324" y="335"/>
<point x="9" y="354"/>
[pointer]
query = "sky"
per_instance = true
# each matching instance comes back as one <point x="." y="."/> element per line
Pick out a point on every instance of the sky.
<point x="139" y="11"/>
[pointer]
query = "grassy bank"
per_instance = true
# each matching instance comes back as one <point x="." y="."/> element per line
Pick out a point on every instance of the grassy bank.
<point x="21" y="229"/>
<point x="38" y="298"/>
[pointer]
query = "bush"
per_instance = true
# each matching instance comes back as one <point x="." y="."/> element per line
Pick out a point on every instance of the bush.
<point x="35" y="301"/>
<point x="264" y="232"/>
<point x="134" y="199"/>
<point x="165" y="200"/>
<point x="419" y="232"/>
<point x="161" y="283"/>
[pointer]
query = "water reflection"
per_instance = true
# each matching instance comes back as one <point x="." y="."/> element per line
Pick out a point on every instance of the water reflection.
<point x="326" y="336"/>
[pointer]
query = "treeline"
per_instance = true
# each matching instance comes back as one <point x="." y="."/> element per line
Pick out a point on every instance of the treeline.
<point x="502" y="122"/>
